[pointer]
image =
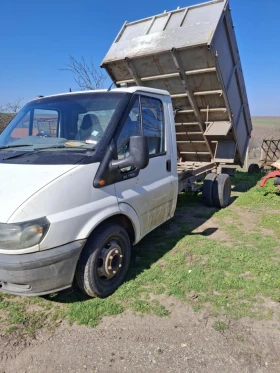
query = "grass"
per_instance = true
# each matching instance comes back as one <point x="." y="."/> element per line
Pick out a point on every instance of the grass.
<point x="260" y="198"/>
<point x="232" y="276"/>
<point x="272" y="222"/>
<point x="220" y="326"/>
<point x="24" y="316"/>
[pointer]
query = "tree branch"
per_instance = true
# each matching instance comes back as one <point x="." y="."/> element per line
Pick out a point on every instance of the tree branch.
<point x="85" y="74"/>
<point x="14" y="106"/>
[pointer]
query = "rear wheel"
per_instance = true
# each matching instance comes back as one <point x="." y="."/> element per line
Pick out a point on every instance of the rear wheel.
<point x="253" y="168"/>
<point x="221" y="191"/>
<point x="104" y="261"/>
<point x="207" y="189"/>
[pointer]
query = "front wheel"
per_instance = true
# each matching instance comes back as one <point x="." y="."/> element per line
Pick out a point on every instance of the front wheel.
<point x="104" y="261"/>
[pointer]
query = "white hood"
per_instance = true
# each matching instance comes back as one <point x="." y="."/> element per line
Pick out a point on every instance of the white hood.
<point x="19" y="182"/>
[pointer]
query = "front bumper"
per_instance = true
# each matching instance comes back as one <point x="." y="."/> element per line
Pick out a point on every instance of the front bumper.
<point x="42" y="272"/>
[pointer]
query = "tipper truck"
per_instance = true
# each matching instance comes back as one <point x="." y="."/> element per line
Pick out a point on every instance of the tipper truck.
<point x="86" y="175"/>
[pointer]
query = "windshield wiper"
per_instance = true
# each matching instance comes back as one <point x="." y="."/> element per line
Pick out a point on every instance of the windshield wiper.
<point x="61" y="146"/>
<point x="39" y="150"/>
<point x="18" y="155"/>
<point x="14" y="146"/>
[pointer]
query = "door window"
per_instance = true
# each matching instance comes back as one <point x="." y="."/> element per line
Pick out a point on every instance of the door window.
<point x="130" y="128"/>
<point x="148" y="122"/>
<point x="153" y="124"/>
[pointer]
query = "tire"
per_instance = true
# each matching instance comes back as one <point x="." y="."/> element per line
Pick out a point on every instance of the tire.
<point x="221" y="191"/>
<point x="101" y="270"/>
<point x="207" y="189"/>
<point x="253" y="169"/>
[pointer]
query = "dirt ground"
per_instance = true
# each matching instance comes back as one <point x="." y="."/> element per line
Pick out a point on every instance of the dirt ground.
<point x="183" y="342"/>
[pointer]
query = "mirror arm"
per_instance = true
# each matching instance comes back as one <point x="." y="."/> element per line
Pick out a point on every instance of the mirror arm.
<point x="121" y="163"/>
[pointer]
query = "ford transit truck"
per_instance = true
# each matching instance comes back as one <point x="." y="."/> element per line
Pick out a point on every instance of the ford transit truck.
<point x="86" y="175"/>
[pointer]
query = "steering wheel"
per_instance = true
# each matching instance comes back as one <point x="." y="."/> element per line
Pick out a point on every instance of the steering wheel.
<point x="42" y="134"/>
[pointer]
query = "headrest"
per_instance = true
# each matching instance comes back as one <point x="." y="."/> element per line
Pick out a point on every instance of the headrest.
<point x="89" y="120"/>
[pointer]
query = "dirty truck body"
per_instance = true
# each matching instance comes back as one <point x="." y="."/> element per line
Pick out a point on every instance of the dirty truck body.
<point x="192" y="53"/>
<point x="86" y="175"/>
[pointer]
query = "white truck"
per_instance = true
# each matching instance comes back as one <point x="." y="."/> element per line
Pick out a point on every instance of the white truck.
<point x="86" y="175"/>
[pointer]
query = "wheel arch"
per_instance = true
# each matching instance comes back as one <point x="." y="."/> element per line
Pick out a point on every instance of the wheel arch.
<point x="119" y="219"/>
<point x="125" y="215"/>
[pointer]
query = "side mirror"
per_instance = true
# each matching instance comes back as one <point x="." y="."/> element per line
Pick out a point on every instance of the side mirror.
<point x="138" y="154"/>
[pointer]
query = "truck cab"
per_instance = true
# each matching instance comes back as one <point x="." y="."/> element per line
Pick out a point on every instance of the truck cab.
<point x="85" y="176"/>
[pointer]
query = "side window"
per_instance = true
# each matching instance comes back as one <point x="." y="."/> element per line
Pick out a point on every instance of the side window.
<point x="130" y="128"/>
<point x="153" y="124"/>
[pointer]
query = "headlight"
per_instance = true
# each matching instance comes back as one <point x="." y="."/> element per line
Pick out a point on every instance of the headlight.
<point x="22" y="235"/>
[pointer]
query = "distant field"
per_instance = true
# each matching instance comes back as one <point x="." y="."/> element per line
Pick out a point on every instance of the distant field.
<point x="265" y="128"/>
<point x="268" y="121"/>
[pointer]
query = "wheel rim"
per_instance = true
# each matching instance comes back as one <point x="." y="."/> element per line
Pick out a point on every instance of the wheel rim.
<point x="110" y="261"/>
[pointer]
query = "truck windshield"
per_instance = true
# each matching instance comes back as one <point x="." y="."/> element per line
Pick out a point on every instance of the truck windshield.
<point x="71" y="121"/>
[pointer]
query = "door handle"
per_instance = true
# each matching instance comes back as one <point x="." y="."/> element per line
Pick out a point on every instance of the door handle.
<point x="168" y="165"/>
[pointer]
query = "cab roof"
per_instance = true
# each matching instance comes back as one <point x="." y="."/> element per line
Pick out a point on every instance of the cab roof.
<point x="123" y="89"/>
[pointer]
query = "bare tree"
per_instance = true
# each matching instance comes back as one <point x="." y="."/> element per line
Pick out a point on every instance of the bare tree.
<point x="85" y="73"/>
<point x="14" y="106"/>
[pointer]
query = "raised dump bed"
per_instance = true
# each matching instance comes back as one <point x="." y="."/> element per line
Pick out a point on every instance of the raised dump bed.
<point x="192" y="53"/>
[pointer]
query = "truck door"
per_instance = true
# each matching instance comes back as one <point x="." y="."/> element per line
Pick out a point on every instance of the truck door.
<point x="148" y="191"/>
